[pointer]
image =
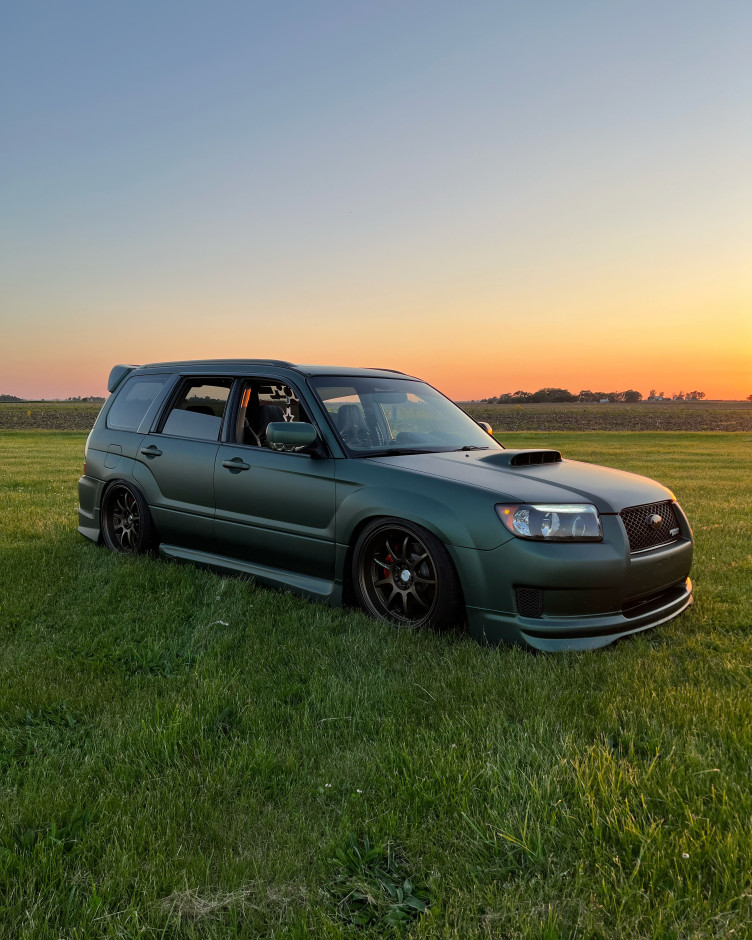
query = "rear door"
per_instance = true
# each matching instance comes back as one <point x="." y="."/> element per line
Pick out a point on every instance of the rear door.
<point x="272" y="508"/>
<point x="175" y="462"/>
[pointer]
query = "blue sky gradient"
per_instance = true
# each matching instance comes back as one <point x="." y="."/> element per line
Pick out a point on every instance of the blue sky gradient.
<point x="492" y="195"/>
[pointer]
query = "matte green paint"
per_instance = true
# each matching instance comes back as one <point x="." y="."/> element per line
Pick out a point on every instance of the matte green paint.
<point x="569" y="481"/>
<point x="291" y="518"/>
<point x="177" y="478"/>
<point x="280" y="512"/>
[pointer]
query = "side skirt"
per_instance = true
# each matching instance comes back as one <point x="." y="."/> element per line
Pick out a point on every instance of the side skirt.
<point x="318" y="589"/>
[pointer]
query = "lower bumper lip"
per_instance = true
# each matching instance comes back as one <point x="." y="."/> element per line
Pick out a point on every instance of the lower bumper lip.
<point x="675" y="601"/>
<point x="581" y="632"/>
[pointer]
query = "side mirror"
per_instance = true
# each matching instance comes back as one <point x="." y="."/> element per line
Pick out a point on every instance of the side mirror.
<point x="290" y="435"/>
<point x="486" y="427"/>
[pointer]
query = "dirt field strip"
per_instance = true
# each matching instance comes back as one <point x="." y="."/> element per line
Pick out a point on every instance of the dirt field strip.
<point x="645" y="416"/>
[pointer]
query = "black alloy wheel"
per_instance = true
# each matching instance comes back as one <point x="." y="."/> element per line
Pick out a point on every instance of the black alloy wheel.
<point x="127" y="526"/>
<point x="403" y="574"/>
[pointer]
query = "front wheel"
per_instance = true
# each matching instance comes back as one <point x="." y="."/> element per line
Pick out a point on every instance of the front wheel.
<point x="403" y="574"/>
<point x="127" y="525"/>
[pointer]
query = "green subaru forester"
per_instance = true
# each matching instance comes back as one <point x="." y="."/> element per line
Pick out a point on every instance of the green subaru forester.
<point x="369" y="485"/>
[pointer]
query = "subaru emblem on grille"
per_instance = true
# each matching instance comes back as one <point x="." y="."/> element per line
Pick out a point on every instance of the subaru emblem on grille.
<point x="654" y="521"/>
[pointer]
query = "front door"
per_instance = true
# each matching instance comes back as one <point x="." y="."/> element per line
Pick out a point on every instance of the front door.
<point x="272" y="508"/>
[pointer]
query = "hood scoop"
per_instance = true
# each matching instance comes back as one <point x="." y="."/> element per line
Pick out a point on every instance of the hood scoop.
<point x="522" y="458"/>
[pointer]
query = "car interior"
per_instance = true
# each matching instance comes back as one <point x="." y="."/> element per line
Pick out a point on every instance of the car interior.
<point x="262" y="403"/>
<point x="199" y="410"/>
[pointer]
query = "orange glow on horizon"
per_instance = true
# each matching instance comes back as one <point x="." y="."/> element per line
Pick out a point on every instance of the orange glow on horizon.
<point x="464" y="373"/>
<point x="679" y="333"/>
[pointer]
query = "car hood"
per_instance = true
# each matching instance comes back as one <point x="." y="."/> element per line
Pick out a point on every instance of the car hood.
<point x="608" y="490"/>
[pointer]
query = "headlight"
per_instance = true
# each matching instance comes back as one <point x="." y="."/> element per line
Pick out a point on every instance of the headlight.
<point x="568" y="522"/>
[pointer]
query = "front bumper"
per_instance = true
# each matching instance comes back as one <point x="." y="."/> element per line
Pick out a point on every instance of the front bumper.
<point x="589" y="594"/>
<point x="580" y="632"/>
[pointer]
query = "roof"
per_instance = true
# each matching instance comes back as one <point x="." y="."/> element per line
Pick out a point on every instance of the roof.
<point x="240" y="366"/>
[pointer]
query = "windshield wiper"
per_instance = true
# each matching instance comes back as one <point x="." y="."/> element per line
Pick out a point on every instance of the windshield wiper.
<point x="472" y="447"/>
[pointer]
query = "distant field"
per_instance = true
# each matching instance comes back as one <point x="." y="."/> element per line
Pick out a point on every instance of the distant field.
<point x="645" y="416"/>
<point x="47" y="416"/>
<point x="185" y="755"/>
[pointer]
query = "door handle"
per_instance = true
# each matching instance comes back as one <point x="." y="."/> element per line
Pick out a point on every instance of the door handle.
<point x="236" y="463"/>
<point x="151" y="451"/>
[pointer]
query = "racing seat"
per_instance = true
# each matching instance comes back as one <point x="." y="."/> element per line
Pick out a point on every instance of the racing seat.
<point x="351" y="424"/>
<point x="266" y="414"/>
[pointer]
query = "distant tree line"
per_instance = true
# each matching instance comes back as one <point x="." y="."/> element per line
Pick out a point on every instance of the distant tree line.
<point x="679" y="396"/>
<point x="586" y="395"/>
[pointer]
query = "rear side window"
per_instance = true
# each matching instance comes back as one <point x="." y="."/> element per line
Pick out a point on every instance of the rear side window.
<point x="133" y="401"/>
<point x="199" y="410"/>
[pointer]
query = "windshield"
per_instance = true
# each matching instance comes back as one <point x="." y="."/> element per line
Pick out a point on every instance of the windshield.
<point x="396" y="416"/>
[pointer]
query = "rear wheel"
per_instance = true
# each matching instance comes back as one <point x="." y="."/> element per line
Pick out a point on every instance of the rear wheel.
<point x="403" y="574"/>
<point x="127" y="525"/>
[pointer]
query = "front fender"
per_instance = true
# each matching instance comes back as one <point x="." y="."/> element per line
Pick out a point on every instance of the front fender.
<point x="457" y="515"/>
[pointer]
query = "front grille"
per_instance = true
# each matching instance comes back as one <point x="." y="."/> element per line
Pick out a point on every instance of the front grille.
<point x="529" y="601"/>
<point x="642" y="533"/>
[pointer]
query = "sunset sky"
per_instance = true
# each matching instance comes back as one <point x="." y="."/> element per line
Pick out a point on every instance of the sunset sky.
<point x="490" y="194"/>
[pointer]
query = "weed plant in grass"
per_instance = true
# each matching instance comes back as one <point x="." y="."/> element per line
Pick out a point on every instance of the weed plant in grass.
<point x="186" y="755"/>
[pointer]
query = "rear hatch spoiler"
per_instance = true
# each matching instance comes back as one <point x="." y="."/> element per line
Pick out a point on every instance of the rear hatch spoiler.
<point x="117" y="374"/>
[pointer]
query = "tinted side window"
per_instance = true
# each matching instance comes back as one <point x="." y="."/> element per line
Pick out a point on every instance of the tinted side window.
<point x="199" y="410"/>
<point x="133" y="401"/>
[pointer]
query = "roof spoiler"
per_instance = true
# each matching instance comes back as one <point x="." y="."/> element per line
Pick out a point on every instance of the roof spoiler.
<point x="117" y="374"/>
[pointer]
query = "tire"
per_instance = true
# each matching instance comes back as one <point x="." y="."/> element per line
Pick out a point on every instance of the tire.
<point x="402" y="574"/>
<point x="127" y="526"/>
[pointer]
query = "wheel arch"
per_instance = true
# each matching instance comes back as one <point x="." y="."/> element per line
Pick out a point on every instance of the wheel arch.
<point x="128" y="481"/>
<point x="348" y="594"/>
<point x="131" y="484"/>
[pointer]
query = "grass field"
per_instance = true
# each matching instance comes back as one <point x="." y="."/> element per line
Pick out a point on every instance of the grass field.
<point x="184" y="755"/>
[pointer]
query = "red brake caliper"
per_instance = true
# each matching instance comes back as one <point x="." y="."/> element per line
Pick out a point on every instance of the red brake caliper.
<point x="390" y="560"/>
